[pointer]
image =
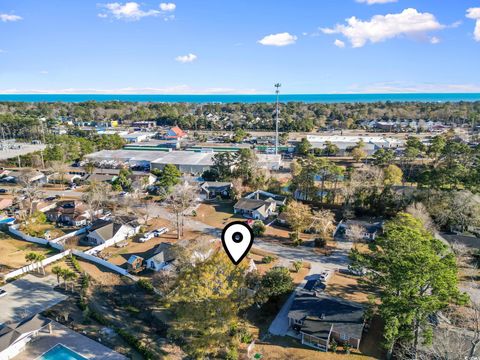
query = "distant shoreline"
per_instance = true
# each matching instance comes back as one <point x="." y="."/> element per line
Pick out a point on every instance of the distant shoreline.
<point x="250" y="99"/>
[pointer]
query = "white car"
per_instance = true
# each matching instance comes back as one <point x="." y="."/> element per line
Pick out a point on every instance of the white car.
<point x="324" y="275"/>
<point x="147" y="236"/>
<point x="160" y="232"/>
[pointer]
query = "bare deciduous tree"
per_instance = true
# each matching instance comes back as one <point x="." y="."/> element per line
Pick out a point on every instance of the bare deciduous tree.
<point x="182" y="197"/>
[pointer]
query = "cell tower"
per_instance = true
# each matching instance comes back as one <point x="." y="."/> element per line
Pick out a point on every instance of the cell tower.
<point x="277" y="91"/>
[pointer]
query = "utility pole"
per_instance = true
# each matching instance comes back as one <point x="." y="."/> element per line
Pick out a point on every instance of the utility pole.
<point x="277" y="91"/>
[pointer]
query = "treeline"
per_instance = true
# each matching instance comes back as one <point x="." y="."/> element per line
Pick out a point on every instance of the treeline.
<point x="295" y="116"/>
<point x="67" y="148"/>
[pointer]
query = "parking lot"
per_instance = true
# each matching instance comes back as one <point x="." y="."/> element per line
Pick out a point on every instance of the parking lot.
<point x="27" y="296"/>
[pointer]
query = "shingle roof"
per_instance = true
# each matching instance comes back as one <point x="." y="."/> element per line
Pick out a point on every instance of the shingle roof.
<point x="11" y="332"/>
<point x="320" y="312"/>
<point x="163" y="253"/>
<point x="250" y="204"/>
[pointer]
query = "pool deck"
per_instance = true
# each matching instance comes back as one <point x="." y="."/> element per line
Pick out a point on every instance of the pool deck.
<point x="74" y="341"/>
<point x="28" y="296"/>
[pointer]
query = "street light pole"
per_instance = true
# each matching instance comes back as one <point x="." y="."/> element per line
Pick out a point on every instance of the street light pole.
<point x="277" y="91"/>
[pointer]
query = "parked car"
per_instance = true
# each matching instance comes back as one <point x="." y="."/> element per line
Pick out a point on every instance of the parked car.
<point x="50" y="198"/>
<point x="147" y="236"/>
<point x="160" y="232"/>
<point x="3" y="191"/>
<point x="324" y="275"/>
<point x="356" y="271"/>
<point x="3" y="292"/>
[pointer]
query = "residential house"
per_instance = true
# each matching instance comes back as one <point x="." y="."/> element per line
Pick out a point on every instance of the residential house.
<point x="213" y="189"/>
<point x="349" y="228"/>
<point x="58" y="178"/>
<point x="5" y="203"/>
<point x="27" y="176"/>
<point x="163" y="258"/>
<point x="175" y="133"/>
<point x="254" y="209"/>
<point x="279" y="200"/>
<point x="317" y="319"/>
<point x="137" y="137"/>
<point x="113" y="231"/>
<point x="72" y="213"/>
<point x="14" y="337"/>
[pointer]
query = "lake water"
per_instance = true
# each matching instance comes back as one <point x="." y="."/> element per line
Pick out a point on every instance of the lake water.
<point x="307" y="98"/>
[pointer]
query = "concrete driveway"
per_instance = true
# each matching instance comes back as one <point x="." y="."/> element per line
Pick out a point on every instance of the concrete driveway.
<point x="28" y="296"/>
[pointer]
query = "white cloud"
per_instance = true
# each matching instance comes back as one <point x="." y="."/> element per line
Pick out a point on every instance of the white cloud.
<point x="186" y="58"/>
<point x="371" y="2"/>
<point x="44" y="72"/>
<point x="379" y="28"/>
<point x="128" y="11"/>
<point x="9" y="17"/>
<point x="406" y="87"/>
<point x="339" y="43"/>
<point x="281" y="39"/>
<point x="168" y="6"/>
<point x="435" y="40"/>
<point x="179" y="89"/>
<point x="474" y="13"/>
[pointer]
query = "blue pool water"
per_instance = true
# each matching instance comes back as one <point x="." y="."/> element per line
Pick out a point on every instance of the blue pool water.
<point x="60" y="352"/>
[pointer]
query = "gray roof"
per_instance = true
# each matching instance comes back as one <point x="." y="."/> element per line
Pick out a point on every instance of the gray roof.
<point x="320" y="312"/>
<point x="163" y="253"/>
<point x="11" y="332"/>
<point x="250" y="204"/>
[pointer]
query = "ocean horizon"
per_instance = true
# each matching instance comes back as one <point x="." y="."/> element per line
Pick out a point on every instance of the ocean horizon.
<point x="264" y="98"/>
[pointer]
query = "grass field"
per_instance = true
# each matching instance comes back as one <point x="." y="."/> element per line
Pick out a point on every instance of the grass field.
<point x="13" y="251"/>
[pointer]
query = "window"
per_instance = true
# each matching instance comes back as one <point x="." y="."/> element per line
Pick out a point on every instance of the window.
<point x="344" y="336"/>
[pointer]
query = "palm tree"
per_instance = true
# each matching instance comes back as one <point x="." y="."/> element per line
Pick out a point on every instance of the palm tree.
<point x="57" y="270"/>
<point x="31" y="257"/>
<point x="39" y="258"/>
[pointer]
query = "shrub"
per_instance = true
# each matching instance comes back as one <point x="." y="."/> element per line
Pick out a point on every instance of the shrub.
<point x="245" y="336"/>
<point x="267" y="259"/>
<point x="297" y="265"/>
<point x="232" y="354"/>
<point x="75" y="263"/>
<point x="319" y="242"/>
<point x="146" y="285"/>
<point x="258" y="228"/>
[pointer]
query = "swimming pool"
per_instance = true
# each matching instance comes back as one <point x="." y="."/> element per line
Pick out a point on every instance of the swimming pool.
<point x="60" y="352"/>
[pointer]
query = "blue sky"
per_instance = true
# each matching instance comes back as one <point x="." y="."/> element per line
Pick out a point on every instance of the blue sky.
<point x="244" y="46"/>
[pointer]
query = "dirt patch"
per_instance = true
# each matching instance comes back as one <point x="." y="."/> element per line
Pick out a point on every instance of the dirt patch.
<point x="348" y="287"/>
<point x="288" y="348"/>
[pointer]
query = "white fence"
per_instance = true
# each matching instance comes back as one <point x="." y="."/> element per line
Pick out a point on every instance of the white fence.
<point x="69" y="235"/>
<point x="104" y="263"/>
<point x="14" y="230"/>
<point x="35" y="266"/>
<point x="87" y="255"/>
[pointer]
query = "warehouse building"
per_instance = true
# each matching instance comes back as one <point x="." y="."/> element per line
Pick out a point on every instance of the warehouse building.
<point x="186" y="161"/>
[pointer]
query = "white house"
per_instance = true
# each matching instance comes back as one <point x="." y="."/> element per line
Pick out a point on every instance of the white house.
<point x="163" y="258"/>
<point x="254" y="209"/>
<point x="116" y="231"/>
<point x="14" y="337"/>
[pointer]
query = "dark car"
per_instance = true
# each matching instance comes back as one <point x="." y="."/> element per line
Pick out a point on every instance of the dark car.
<point x="3" y="191"/>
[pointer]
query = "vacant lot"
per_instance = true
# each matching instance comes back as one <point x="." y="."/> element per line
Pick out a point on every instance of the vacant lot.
<point x="13" y="251"/>
<point x="217" y="214"/>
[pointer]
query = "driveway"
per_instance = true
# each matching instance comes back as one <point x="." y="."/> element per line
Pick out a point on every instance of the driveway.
<point x="28" y="296"/>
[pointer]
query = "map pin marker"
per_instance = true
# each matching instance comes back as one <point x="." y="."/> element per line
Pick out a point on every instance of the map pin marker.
<point x="237" y="239"/>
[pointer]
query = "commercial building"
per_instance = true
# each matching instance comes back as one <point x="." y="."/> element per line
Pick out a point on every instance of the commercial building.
<point x="186" y="161"/>
<point x="346" y="143"/>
